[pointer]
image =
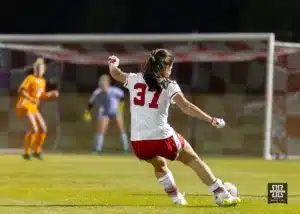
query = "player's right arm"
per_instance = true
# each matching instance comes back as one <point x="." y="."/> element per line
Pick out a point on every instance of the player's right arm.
<point x="23" y="89"/>
<point x="93" y="98"/>
<point x="115" y="71"/>
<point x="87" y="112"/>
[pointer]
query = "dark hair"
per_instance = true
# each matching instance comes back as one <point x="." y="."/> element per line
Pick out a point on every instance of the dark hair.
<point x="158" y="61"/>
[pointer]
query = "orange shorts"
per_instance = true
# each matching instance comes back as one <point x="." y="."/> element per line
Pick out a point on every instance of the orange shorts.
<point x="21" y="111"/>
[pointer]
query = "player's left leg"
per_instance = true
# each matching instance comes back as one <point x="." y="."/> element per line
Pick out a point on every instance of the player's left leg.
<point x="41" y="136"/>
<point x="189" y="157"/>
<point x="30" y="135"/>
<point x="280" y="148"/>
<point x="279" y="142"/>
<point x="124" y="137"/>
<point x="166" y="179"/>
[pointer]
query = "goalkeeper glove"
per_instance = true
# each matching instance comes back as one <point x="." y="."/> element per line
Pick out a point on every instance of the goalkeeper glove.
<point x="87" y="117"/>
<point x="121" y="107"/>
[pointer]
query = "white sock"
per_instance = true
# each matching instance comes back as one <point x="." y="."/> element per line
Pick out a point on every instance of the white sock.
<point x="124" y="140"/>
<point x="215" y="186"/>
<point x="168" y="183"/>
<point x="99" y="142"/>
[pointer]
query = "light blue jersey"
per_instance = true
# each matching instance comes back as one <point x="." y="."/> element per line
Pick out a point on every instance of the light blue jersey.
<point x="108" y="105"/>
<point x="107" y="102"/>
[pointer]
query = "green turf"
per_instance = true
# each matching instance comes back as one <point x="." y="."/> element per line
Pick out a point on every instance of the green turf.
<point x="111" y="184"/>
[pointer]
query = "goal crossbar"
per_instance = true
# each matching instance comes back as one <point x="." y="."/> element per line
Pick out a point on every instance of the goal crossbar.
<point x="287" y="44"/>
<point x="134" y="38"/>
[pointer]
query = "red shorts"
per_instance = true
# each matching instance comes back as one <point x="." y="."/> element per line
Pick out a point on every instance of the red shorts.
<point x="168" y="148"/>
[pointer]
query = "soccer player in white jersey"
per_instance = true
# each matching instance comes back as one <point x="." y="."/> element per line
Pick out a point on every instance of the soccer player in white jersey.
<point x="152" y="138"/>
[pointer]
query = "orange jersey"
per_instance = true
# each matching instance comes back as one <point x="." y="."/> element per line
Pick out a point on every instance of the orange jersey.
<point x="35" y="88"/>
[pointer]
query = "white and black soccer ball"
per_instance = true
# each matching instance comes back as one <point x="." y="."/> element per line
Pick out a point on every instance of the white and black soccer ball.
<point x="232" y="189"/>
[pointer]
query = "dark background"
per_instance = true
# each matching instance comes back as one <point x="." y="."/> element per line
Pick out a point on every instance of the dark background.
<point x="223" y="89"/>
<point x="132" y="16"/>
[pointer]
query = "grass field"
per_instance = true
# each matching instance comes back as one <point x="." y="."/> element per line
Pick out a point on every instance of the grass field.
<point x="114" y="184"/>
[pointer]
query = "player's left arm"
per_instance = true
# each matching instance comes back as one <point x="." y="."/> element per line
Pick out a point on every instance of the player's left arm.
<point x="119" y="93"/>
<point x="193" y="111"/>
<point x="115" y="71"/>
<point x="189" y="108"/>
<point x="46" y="95"/>
<point x="53" y="94"/>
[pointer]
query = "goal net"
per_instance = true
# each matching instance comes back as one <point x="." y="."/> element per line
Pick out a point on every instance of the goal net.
<point x="244" y="78"/>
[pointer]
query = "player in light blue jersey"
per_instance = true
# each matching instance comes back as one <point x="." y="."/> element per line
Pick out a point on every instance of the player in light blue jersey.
<point x="110" y="107"/>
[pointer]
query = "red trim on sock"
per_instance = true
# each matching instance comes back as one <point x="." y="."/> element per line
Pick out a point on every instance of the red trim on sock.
<point x="171" y="191"/>
<point x="219" y="190"/>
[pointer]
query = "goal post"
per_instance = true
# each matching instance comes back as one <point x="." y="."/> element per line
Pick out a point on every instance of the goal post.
<point x="187" y="48"/>
<point x="286" y="102"/>
<point x="269" y="97"/>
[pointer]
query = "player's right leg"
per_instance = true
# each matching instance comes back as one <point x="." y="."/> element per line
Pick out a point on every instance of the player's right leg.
<point x="102" y="125"/>
<point x="166" y="179"/>
<point x="189" y="157"/>
<point x="148" y="151"/>
<point x="30" y="136"/>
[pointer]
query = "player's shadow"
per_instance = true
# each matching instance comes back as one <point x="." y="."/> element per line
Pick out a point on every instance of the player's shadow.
<point x="98" y="205"/>
<point x="208" y="195"/>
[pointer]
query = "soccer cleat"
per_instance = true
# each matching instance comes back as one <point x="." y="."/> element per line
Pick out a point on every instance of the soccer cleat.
<point x="126" y="152"/>
<point x="26" y="156"/>
<point x="227" y="201"/>
<point x="180" y="200"/>
<point x="232" y="201"/>
<point x="37" y="156"/>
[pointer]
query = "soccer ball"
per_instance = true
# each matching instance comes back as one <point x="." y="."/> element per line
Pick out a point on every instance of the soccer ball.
<point x="231" y="188"/>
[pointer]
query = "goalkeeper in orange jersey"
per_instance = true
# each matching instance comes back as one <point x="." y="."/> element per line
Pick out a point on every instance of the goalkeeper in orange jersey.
<point x="31" y="92"/>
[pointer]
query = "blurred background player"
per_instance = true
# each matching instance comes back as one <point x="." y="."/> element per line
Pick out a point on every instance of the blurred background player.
<point x="110" y="107"/>
<point x="31" y="92"/>
<point x="278" y="127"/>
<point x="152" y="138"/>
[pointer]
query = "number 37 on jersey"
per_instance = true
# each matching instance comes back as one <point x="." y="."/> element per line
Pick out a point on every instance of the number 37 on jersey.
<point x="143" y="97"/>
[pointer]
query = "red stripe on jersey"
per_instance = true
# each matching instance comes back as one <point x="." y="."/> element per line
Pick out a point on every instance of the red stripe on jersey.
<point x="177" y="92"/>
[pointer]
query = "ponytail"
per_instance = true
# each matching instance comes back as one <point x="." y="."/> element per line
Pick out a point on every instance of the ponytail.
<point x="157" y="63"/>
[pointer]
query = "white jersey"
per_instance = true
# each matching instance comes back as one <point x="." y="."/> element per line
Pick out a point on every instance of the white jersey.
<point x="149" y="110"/>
